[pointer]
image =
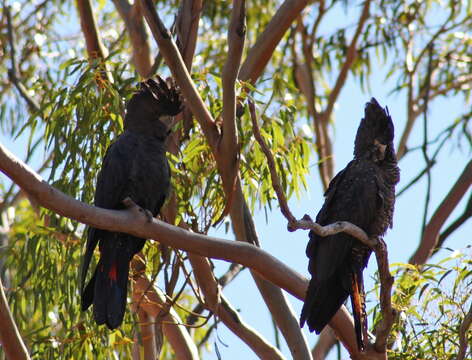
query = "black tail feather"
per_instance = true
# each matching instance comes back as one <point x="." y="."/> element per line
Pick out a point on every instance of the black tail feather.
<point x="322" y="301"/>
<point x="110" y="291"/>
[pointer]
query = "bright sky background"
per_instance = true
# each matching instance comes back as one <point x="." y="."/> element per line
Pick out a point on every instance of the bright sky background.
<point x="290" y="247"/>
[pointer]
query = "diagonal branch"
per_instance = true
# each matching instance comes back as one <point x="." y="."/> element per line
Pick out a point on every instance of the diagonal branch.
<point x="464" y="329"/>
<point x="133" y="19"/>
<point x="180" y="73"/>
<point x="466" y="215"/>
<point x="93" y="40"/>
<point x="219" y="305"/>
<point x="431" y="232"/>
<point x="10" y="338"/>
<point x="350" y="57"/>
<point x="261" y="52"/>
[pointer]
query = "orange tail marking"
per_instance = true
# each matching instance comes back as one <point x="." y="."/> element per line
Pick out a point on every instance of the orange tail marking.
<point x="113" y="274"/>
<point x="357" y="310"/>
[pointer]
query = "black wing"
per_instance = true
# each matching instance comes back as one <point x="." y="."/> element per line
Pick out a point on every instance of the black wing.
<point x="353" y="197"/>
<point x="111" y="189"/>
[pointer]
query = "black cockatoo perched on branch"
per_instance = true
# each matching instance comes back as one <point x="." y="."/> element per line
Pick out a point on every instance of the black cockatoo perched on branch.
<point x="135" y="166"/>
<point x="363" y="194"/>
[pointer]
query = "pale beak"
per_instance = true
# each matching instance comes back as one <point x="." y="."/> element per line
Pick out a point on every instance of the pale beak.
<point x="380" y="149"/>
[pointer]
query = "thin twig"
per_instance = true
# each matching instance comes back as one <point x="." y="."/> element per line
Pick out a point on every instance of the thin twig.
<point x="424" y="148"/>
<point x="13" y="71"/>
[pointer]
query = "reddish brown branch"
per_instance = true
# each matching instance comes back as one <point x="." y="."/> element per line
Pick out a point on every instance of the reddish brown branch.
<point x="463" y="337"/>
<point x="261" y="52"/>
<point x="217" y="303"/>
<point x="93" y="41"/>
<point x="180" y="73"/>
<point x="466" y="215"/>
<point x="431" y="232"/>
<point x="187" y="29"/>
<point x="10" y="338"/>
<point x="386" y="282"/>
<point x="350" y="57"/>
<point x="326" y="341"/>
<point x="134" y="22"/>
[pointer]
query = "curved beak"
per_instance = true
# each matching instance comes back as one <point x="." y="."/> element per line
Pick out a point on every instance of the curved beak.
<point x="380" y="149"/>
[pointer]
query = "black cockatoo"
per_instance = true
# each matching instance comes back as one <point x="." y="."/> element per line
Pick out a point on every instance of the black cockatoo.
<point x="363" y="193"/>
<point x="135" y="166"/>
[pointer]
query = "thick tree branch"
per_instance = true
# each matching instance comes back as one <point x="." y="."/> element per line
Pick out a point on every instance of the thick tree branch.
<point x="134" y="22"/>
<point x="10" y="338"/>
<point x="153" y="302"/>
<point x="134" y="222"/>
<point x="93" y="41"/>
<point x="236" y="36"/>
<point x="261" y="52"/>
<point x="180" y="73"/>
<point x="350" y="57"/>
<point x="217" y="303"/>
<point x="463" y="337"/>
<point x="326" y="341"/>
<point x="431" y="232"/>
<point x="466" y="215"/>
<point x="229" y="140"/>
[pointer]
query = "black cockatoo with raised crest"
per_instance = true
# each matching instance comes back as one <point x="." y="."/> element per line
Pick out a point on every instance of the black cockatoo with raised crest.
<point x="363" y="193"/>
<point x="135" y="166"/>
